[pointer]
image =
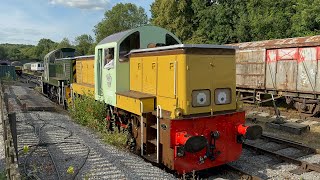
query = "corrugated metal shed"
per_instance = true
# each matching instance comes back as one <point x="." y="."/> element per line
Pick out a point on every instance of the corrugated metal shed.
<point x="281" y="43"/>
<point x="8" y="72"/>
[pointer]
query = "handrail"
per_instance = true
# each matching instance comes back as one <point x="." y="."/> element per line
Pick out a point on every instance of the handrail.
<point x="141" y="126"/>
<point x="159" y="115"/>
<point x="175" y="78"/>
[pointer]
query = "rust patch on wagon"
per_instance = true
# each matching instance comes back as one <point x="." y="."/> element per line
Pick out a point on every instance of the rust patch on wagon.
<point x="281" y="43"/>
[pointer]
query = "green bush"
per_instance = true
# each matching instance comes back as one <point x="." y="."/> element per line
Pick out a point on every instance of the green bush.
<point x="86" y="111"/>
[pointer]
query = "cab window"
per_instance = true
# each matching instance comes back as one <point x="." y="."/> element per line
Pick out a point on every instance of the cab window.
<point x="170" y="40"/>
<point x="109" y="58"/>
<point x="128" y="44"/>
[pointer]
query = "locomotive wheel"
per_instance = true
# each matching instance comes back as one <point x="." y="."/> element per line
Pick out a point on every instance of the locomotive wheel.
<point x="108" y="123"/>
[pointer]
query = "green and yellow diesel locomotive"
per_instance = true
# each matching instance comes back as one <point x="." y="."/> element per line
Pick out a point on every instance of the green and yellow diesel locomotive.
<point x="58" y="73"/>
<point x="178" y="101"/>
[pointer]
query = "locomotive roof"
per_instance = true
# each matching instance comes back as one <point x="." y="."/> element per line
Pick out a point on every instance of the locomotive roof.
<point x="114" y="37"/>
<point x="76" y="57"/>
<point x="281" y="43"/>
<point x="61" y="49"/>
<point x="117" y="37"/>
<point x="183" y="46"/>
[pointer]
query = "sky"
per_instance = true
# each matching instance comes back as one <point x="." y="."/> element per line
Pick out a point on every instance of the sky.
<point x="28" y="21"/>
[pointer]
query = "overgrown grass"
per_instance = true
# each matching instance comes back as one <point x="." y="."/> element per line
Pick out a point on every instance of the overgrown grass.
<point x="86" y="111"/>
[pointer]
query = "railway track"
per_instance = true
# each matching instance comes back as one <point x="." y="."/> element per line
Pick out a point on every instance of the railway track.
<point x="27" y="78"/>
<point x="284" y="151"/>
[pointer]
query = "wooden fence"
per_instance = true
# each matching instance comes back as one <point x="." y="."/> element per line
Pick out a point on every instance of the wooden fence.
<point x="9" y="137"/>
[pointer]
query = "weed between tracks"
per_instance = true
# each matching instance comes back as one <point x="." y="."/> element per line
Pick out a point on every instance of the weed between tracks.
<point x="91" y="113"/>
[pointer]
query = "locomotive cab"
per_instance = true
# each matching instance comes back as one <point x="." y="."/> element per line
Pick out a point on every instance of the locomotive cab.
<point x="112" y="63"/>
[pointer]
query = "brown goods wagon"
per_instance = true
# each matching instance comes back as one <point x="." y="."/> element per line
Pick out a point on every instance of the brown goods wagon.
<point x="287" y="68"/>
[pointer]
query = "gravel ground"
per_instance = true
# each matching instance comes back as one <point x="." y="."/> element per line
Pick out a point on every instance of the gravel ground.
<point x="271" y="168"/>
<point x="70" y="144"/>
<point x="53" y="135"/>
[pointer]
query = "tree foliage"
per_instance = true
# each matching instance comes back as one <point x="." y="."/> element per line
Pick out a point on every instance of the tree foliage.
<point x="193" y="21"/>
<point x="64" y="43"/>
<point x="230" y="21"/>
<point x="176" y="16"/>
<point x="44" y="46"/>
<point x="3" y="53"/>
<point x="84" y="44"/>
<point x="121" y="17"/>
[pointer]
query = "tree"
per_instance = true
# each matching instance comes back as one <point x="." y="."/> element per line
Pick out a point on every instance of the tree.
<point x="29" y="53"/>
<point x="176" y="16"/>
<point x="306" y="20"/>
<point x="64" y="43"/>
<point x="3" y="54"/>
<point x="270" y="19"/>
<point x="121" y="17"/>
<point x="83" y="44"/>
<point x="231" y="21"/>
<point x="14" y="54"/>
<point x="44" y="46"/>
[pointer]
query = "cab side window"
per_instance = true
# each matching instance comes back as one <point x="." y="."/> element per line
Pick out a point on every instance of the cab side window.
<point x="128" y="44"/>
<point x="109" y="58"/>
<point x="170" y="40"/>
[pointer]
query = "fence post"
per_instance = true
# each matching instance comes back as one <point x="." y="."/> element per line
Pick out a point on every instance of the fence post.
<point x="13" y="127"/>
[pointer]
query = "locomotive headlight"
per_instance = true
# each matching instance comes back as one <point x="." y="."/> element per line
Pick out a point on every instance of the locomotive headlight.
<point x="201" y="98"/>
<point x="222" y="96"/>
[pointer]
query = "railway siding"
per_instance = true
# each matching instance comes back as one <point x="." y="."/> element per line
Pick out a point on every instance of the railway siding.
<point x="50" y="143"/>
<point x="52" y="136"/>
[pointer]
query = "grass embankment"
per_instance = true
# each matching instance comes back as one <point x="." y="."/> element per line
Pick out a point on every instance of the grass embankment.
<point x="91" y="113"/>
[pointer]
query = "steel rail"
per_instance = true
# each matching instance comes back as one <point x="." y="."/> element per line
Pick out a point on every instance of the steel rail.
<point x="290" y="143"/>
<point x="303" y="165"/>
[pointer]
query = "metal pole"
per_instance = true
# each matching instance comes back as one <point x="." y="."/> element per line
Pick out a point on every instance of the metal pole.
<point x="63" y="96"/>
<point x="175" y="79"/>
<point x="59" y="93"/>
<point x="72" y="95"/>
<point x="141" y="126"/>
<point x="13" y="127"/>
<point x="159" y="115"/>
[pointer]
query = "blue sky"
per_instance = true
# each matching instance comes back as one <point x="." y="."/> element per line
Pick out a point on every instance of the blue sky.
<point x="27" y="21"/>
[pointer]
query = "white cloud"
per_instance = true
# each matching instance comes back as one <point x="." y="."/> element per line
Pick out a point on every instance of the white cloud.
<point x="83" y="4"/>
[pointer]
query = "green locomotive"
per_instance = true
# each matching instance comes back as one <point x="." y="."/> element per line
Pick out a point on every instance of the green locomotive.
<point x="58" y="73"/>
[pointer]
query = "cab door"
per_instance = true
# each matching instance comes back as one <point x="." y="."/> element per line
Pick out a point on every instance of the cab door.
<point x="99" y="73"/>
